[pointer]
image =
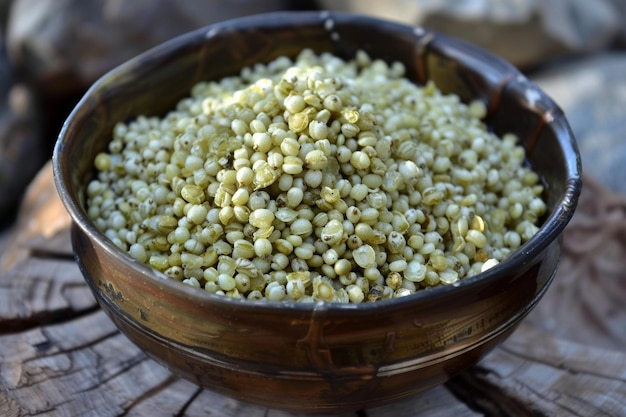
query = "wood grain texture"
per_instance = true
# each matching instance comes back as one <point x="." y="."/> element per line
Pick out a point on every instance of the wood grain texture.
<point x="60" y="355"/>
<point x="533" y="373"/>
<point x="585" y="303"/>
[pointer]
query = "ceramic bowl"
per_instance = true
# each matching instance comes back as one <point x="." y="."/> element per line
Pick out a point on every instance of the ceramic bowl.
<point x="318" y="357"/>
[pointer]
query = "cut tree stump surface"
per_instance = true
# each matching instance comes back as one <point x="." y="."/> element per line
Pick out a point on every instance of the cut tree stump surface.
<point x="60" y="355"/>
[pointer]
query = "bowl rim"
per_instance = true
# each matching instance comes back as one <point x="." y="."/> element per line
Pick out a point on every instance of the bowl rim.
<point x="548" y="232"/>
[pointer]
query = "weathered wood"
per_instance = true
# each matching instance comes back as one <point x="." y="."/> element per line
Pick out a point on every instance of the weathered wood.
<point x="533" y="374"/>
<point x="60" y="355"/>
<point x="42" y="223"/>
<point x="42" y="290"/>
<point x="585" y="302"/>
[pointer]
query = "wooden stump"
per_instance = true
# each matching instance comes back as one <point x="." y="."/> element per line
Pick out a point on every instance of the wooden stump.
<point x="60" y="355"/>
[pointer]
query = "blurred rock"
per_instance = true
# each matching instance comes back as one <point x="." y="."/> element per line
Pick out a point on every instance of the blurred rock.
<point x="5" y="5"/>
<point x="525" y="32"/>
<point x="620" y="8"/>
<point x="21" y="150"/>
<point x="65" y="45"/>
<point x="592" y="93"/>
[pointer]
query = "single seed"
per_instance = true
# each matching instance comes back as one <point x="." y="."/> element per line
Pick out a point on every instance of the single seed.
<point x="364" y="256"/>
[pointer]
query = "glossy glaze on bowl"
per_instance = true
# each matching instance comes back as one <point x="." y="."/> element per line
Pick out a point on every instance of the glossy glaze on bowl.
<point x="318" y="357"/>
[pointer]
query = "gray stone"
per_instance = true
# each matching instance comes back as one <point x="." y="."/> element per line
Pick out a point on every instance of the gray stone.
<point x="525" y="32"/>
<point x="65" y="45"/>
<point x="592" y="93"/>
<point x="21" y="149"/>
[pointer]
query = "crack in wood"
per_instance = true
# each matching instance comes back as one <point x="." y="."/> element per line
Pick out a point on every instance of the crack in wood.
<point x="42" y="319"/>
<point x="559" y="404"/>
<point x="560" y="365"/>
<point x="128" y="365"/>
<point x="148" y="394"/>
<point x="480" y="395"/>
<point x="44" y="253"/>
<point x="90" y="343"/>
<point x="47" y="411"/>
<point x="36" y="297"/>
<point x="187" y="404"/>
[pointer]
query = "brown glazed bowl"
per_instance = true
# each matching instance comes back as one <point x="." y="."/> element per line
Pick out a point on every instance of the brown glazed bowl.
<point x="320" y="357"/>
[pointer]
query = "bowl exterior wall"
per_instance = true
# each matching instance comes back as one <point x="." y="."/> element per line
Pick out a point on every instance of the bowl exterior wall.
<point x="319" y="358"/>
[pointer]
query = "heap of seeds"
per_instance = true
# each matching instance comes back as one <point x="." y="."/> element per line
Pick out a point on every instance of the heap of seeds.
<point x="316" y="179"/>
